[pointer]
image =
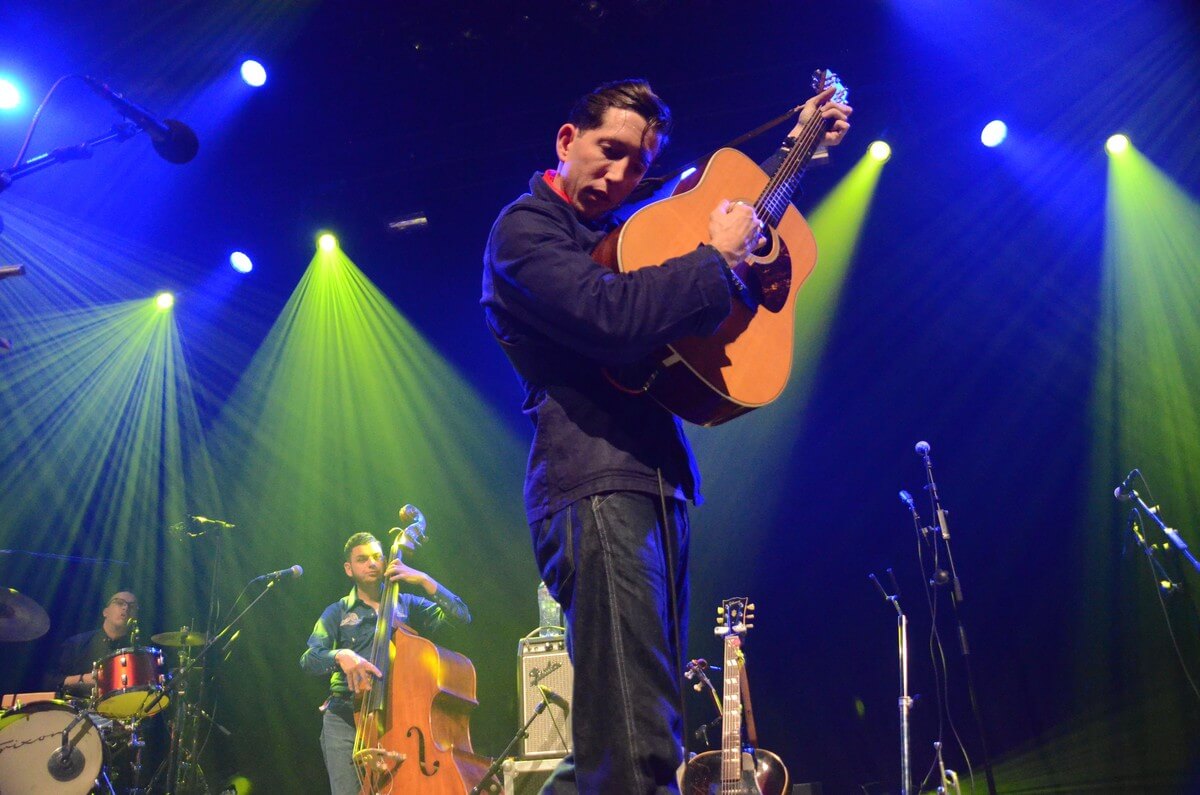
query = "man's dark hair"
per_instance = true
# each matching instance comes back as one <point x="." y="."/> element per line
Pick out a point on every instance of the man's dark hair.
<point x="357" y="540"/>
<point x="635" y="95"/>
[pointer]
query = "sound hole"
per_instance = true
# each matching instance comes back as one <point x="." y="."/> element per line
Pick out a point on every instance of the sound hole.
<point x="772" y="267"/>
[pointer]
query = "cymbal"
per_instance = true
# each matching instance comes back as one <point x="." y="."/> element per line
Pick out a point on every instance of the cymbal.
<point x="21" y="618"/>
<point x="182" y="638"/>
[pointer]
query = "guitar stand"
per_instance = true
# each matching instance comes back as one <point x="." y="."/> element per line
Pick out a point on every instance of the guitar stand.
<point x="499" y="761"/>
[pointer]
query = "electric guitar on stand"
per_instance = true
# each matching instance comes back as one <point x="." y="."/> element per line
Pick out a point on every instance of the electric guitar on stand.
<point x="734" y="770"/>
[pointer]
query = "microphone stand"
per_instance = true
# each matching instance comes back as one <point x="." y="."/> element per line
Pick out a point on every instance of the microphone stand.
<point x="1164" y="579"/>
<point x="955" y="602"/>
<point x="122" y="131"/>
<point x="499" y="760"/>
<point x="178" y="678"/>
<point x="554" y="720"/>
<point x="905" y="701"/>
<point x="1169" y="532"/>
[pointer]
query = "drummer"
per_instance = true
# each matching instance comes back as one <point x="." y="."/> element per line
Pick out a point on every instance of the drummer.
<point x="72" y="673"/>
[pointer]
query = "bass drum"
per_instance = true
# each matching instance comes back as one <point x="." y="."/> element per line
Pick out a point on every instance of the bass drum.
<point x="31" y="759"/>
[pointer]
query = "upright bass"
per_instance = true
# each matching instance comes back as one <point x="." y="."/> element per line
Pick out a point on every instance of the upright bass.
<point x="413" y="727"/>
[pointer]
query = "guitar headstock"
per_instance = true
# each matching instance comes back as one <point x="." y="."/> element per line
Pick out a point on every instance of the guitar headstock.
<point x="827" y="78"/>
<point x="411" y="530"/>
<point x="734" y="617"/>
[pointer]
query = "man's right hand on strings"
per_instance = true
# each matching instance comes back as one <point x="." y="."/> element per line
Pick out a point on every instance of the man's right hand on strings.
<point x="735" y="231"/>
<point x="358" y="669"/>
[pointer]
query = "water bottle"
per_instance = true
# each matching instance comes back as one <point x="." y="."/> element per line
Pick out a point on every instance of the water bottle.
<point x="549" y="612"/>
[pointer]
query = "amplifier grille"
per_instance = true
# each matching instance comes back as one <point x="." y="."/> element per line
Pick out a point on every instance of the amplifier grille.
<point x="544" y="662"/>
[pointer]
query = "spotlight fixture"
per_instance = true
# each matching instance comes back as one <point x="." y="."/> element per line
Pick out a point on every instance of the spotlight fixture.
<point x="164" y="301"/>
<point x="880" y="151"/>
<point x="1116" y="144"/>
<point x="254" y="73"/>
<point x="240" y="262"/>
<point x="10" y="95"/>
<point x="327" y="242"/>
<point x="994" y="133"/>
<point x="409" y="223"/>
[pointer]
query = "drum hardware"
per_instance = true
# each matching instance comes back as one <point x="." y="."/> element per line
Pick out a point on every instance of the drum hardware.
<point x="182" y="760"/>
<point x="182" y="638"/>
<point x="949" y="779"/>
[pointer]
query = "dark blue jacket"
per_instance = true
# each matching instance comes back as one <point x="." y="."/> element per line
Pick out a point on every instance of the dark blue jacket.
<point x="560" y="317"/>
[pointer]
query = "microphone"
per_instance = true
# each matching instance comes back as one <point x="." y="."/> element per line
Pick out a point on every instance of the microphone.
<point x="174" y="141"/>
<point x="555" y="699"/>
<point x="1123" y="491"/>
<point x="906" y="498"/>
<point x="922" y="449"/>
<point x="7" y="271"/>
<point x="133" y="630"/>
<point x="282" y="574"/>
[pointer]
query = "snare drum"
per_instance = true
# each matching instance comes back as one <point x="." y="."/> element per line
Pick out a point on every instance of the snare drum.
<point x="128" y="680"/>
<point x="31" y="759"/>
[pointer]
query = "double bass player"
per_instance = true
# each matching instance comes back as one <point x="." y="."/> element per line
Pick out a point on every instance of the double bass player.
<point x="342" y="638"/>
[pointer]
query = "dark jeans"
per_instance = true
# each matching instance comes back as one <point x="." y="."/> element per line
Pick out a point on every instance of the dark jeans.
<point x="603" y="559"/>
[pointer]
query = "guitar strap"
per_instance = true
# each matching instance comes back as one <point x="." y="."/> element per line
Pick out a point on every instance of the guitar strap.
<point x="747" y="706"/>
<point x="647" y="187"/>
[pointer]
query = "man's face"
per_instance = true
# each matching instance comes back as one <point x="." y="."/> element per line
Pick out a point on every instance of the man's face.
<point x="598" y="168"/>
<point x="365" y="566"/>
<point x="120" y="608"/>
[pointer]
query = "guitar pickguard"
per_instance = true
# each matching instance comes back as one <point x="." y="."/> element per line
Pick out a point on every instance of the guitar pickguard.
<point x="772" y="270"/>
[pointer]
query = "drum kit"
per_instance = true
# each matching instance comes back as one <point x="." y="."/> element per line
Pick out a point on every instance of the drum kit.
<point x="53" y="744"/>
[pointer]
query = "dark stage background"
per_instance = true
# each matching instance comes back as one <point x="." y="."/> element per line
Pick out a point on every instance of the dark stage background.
<point x="976" y="311"/>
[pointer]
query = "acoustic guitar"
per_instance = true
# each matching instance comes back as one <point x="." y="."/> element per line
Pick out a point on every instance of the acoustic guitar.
<point x="745" y="364"/>
<point x="732" y="770"/>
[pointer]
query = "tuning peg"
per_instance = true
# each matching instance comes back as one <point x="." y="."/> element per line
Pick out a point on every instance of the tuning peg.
<point x="720" y="631"/>
<point x="751" y="606"/>
<point x="721" y="610"/>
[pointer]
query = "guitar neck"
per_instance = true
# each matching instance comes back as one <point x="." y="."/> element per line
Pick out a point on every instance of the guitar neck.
<point x="776" y="197"/>
<point x="731" y="716"/>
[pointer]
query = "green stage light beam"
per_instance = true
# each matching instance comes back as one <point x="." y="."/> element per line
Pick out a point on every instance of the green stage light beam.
<point x="768" y="435"/>
<point x="1144" y="415"/>
<point x="101" y="431"/>
<point x="344" y="414"/>
<point x="1078" y="758"/>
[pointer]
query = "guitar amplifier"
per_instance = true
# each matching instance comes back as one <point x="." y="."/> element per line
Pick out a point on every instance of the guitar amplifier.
<point x="526" y="777"/>
<point x="544" y="662"/>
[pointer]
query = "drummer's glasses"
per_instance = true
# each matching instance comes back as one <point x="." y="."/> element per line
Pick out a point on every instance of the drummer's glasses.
<point x="132" y="606"/>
